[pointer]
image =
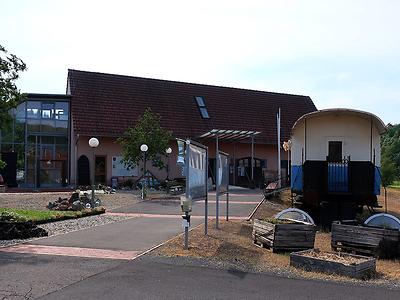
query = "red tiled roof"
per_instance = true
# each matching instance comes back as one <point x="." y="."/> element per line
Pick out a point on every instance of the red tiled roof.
<point x="106" y="105"/>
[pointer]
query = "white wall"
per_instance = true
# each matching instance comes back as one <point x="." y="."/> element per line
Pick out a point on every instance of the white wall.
<point x="354" y="132"/>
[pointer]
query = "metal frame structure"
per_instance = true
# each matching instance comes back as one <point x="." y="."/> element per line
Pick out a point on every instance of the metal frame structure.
<point x="187" y="156"/>
<point x="217" y="192"/>
<point x="228" y="135"/>
<point x="233" y="135"/>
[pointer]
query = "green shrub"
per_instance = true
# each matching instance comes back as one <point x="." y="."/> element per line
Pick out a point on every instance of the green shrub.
<point x="11" y="217"/>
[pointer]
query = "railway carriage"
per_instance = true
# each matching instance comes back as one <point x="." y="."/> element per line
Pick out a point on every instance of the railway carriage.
<point x="335" y="158"/>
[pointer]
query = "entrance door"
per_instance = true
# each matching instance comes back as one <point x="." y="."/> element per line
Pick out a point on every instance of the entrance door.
<point x="100" y="170"/>
<point x="243" y="169"/>
<point x="83" y="170"/>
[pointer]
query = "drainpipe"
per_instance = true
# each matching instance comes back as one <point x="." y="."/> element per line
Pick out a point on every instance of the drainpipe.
<point x="76" y="160"/>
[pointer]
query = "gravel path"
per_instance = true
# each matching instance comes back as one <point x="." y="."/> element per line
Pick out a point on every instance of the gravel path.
<point x="61" y="227"/>
<point x="40" y="200"/>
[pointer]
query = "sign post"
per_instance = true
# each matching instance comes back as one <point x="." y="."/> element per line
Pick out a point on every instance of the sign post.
<point x="221" y="181"/>
<point x="195" y="166"/>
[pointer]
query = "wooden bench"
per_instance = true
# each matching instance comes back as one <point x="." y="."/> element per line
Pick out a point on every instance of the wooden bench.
<point x="176" y="189"/>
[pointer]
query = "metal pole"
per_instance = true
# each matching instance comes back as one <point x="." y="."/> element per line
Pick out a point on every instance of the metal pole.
<point x="187" y="191"/>
<point x="36" y="162"/>
<point x="252" y="159"/>
<point x="227" y="203"/>
<point x="278" y="121"/>
<point x="216" y="183"/>
<point x="206" y="200"/>
<point x="186" y="234"/>
<point x="144" y="176"/>
<point x="167" y="166"/>
<point x="93" y="171"/>
<point x="288" y="165"/>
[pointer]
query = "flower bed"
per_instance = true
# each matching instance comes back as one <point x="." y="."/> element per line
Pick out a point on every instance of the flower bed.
<point x="351" y="265"/>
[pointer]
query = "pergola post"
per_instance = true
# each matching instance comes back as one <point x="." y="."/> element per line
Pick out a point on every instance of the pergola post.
<point x="252" y="159"/>
<point x="278" y="123"/>
<point x="216" y="182"/>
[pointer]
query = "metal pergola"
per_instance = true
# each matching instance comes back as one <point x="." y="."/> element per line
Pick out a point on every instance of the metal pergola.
<point x="232" y="135"/>
<point x="228" y="135"/>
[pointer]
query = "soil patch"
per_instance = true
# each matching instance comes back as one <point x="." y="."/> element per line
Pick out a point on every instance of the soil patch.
<point x="232" y="244"/>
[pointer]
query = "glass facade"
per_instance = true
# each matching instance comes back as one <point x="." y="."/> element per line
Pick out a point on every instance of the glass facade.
<point x="38" y="140"/>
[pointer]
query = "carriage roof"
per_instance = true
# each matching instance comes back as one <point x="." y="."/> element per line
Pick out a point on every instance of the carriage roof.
<point x="344" y="111"/>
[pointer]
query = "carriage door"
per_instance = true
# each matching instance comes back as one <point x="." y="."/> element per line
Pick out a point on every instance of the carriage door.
<point x="335" y="151"/>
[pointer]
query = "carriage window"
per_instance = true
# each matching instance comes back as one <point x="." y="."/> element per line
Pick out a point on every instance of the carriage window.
<point x="334" y="151"/>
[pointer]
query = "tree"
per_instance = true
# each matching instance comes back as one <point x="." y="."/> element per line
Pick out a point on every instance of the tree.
<point x="388" y="170"/>
<point x="146" y="131"/>
<point x="391" y="154"/>
<point x="10" y="96"/>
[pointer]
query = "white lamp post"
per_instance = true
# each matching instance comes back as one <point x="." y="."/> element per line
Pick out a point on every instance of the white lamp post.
<point x="287" y="146"/>
<point x="144" y="149"/>
<point x="168" y="151"/>
<point x="93" y="143"/>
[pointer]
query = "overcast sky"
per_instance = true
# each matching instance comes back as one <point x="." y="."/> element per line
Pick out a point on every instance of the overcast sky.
<point x="340" y="53"/>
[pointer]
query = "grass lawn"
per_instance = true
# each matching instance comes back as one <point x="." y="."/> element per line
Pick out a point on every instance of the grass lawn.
<point x="396" y="185"/>
<point x="44" y="216"/>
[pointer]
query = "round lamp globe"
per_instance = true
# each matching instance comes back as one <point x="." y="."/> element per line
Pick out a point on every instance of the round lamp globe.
<point x="144" y="148"/>
<point x="93" y="142"/>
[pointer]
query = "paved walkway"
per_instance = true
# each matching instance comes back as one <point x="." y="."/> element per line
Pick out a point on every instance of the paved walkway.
<point x="45" y="265"/>
<point x="152" y="222"/>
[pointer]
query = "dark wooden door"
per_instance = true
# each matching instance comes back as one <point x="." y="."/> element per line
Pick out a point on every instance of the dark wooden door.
<point x="83" y="170"/>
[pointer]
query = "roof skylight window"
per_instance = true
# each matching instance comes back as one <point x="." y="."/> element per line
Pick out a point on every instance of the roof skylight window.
<point x="202" y="106"/>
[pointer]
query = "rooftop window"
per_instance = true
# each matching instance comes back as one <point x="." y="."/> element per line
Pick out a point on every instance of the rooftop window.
<point x="202" y="106"/>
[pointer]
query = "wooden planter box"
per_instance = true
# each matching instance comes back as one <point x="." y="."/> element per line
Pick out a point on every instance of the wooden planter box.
<point x="379" y="242"/>
<point x="284" y="237"/>
<point x="356" y="266"/>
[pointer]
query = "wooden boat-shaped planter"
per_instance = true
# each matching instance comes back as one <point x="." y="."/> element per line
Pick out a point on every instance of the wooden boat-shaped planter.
<point x="356" y="266"/>
<point x="379" y="242"/>
<point x="283" y="235"/>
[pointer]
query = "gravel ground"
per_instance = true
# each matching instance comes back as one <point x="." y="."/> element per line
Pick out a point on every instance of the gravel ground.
<point x="61" y="227"/>
<point x="40" y="200"/>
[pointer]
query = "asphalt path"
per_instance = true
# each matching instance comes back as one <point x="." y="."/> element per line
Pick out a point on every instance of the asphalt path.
<point x="155" y="278"/>
<point x="139" y="234"/>
<point x="28" y="276"/>
<point x="32" y="275"/>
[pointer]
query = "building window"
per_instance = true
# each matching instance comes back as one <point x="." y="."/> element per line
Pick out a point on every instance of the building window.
<point x="33" y="110"/>
<point x="334" y="151"/>
<point x="202" y="106"/>
<point x="47" y="110"/>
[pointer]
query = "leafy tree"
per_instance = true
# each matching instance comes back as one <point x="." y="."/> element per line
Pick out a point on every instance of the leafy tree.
<point x="10" y="96"/>
<point x="388" y="170"/>
<point x="146" y="131"/>
<point x="391" y="154"/>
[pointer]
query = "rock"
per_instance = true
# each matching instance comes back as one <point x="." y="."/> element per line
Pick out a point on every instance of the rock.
<point x="63" y="207"/>
<point x="77" y="205"/>
<point x="51" y="205"/>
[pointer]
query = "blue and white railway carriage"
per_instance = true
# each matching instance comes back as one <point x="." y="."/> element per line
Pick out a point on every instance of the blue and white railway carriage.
<point x="336" y="158"/>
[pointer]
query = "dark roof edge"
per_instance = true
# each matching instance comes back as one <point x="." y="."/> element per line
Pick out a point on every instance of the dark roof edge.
<point x="190" y="83"/>
<point x="47" y="96"/>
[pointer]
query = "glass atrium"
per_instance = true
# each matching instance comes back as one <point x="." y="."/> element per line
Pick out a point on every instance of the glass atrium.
<point x="35" y="145"/>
